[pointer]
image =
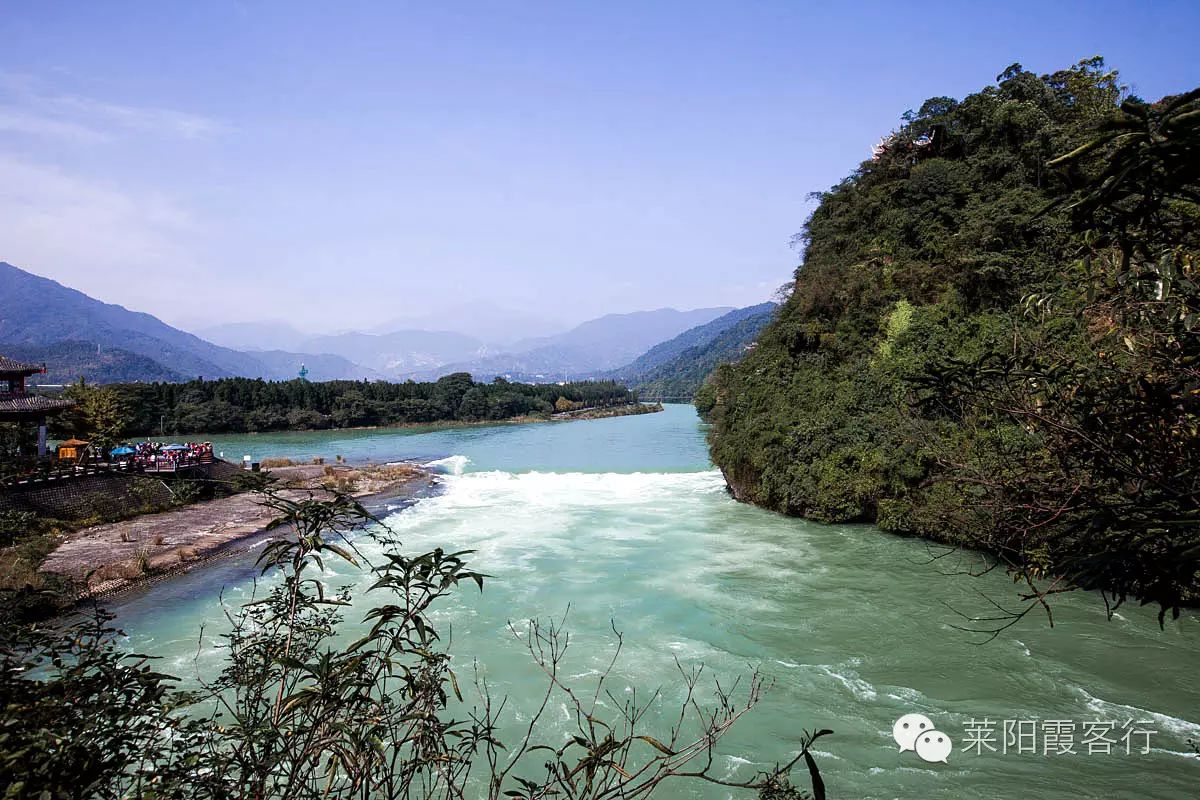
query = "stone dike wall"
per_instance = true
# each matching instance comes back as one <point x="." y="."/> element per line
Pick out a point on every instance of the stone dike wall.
<point x="110" y="495"/>
<point x="107" y="495"/>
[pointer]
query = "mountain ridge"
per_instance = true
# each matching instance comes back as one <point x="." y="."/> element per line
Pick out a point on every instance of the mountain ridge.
<point x="68" y="325"/>
<point x="41" y="312"/>
<point x="53" y="312"/>
<point x="395" y="353"/>
<point x="692" y="339"/>
<point x="586" y="350"/>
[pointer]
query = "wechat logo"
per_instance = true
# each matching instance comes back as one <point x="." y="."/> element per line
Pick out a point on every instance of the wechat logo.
<point x="916" y="732"/>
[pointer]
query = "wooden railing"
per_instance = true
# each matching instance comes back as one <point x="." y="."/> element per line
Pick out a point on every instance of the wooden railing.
<point x="167" y="464"/>
<point x="63" y="472"/>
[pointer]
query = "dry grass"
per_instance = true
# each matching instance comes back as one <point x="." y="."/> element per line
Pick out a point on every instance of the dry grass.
<point x="344" y="484"/>
<point x="369" y="479"/>
<point x="129" y="569"/>
<point x="19" y="563"/>
<point x="395" y="472"/>
<point x="270" y="463"/>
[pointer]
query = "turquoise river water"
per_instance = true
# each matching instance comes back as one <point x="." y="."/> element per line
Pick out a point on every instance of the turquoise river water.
<point x="625" y="519"/>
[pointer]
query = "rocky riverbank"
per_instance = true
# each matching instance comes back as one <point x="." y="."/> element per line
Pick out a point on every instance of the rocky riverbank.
<point x="112" y="557"/>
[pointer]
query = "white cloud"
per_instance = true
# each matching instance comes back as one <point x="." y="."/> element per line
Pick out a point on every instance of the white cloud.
<point x="90" y="236"/>
<point x="117" y="240"/>
<point x="18" y="120"/>
<point x="27" y="107"/>
<point x="150" y="120"/>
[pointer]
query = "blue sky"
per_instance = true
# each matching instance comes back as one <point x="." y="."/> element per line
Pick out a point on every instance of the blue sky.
<point x="345" y="164"/>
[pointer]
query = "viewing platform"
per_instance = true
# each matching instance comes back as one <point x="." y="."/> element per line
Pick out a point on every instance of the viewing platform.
<point x="199" y="466"/>
<point x="161" y="464"/>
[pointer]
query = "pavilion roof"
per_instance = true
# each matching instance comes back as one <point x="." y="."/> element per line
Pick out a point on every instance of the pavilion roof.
<point x="31" y="404"/>
<point x="12" y="365"/>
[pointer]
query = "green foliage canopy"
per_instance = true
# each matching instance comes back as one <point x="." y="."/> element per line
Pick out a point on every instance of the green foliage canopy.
<point x="245" y="404"/>
<point x="993" y="345"/>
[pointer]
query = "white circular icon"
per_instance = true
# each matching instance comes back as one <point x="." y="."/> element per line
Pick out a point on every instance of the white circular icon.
<point x="908" y="728"/>
<point x="934" y="746"/>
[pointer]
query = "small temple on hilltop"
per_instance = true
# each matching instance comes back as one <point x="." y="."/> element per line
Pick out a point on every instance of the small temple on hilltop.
<point x="17" y="405"/>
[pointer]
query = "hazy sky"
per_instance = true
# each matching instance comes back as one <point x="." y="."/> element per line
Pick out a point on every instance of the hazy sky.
<point x="342" y="164"/>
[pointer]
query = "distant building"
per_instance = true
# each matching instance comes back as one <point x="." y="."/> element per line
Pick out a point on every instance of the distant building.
<point x="17" y="405"/>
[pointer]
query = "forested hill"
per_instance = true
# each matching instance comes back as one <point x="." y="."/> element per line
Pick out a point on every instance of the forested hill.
<point x="65" y="361"/>
<point x="698" y="336"/>
<point x="39" y="311"/>
<point x="79" y="335"/>
<point x="993" y="339"/>
<point x="675" y="370"/>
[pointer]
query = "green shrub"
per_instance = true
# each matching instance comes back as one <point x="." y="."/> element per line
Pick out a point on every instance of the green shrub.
<point x="15" y="525"/>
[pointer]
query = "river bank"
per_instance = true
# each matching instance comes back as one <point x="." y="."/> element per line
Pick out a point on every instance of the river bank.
<point x="104" y="559"/>
<point x="594" y="412"/>
<point x="612" y="411"/>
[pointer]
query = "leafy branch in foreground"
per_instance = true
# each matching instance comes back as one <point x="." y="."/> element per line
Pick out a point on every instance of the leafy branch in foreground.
<point x="300" y="712"/>
<point x="613" y="758"/>
<point x="84" y="718"/>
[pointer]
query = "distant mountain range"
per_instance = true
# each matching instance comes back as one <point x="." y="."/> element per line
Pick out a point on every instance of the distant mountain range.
<point x="696" y="337"/>
<point x="398" y="353"/>
<point x="37" y="311"/>
<point x="499" y="327"/>
<point x="74" y="334"/>
<point x="675" y="369"/>
<point x="285" y="365"/>
<point x="586" y="350"/>
<point x="378" y="356"/>
<point x="266" y="335"/>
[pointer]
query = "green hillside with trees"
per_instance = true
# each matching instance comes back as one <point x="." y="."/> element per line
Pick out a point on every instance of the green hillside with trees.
<point x="66" y="361"/>
<point x="680" y="377"/>
<point x="993" y="341"/>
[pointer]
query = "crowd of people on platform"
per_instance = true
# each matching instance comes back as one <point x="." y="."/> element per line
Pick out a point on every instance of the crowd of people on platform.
<point x="152" y="453"/>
